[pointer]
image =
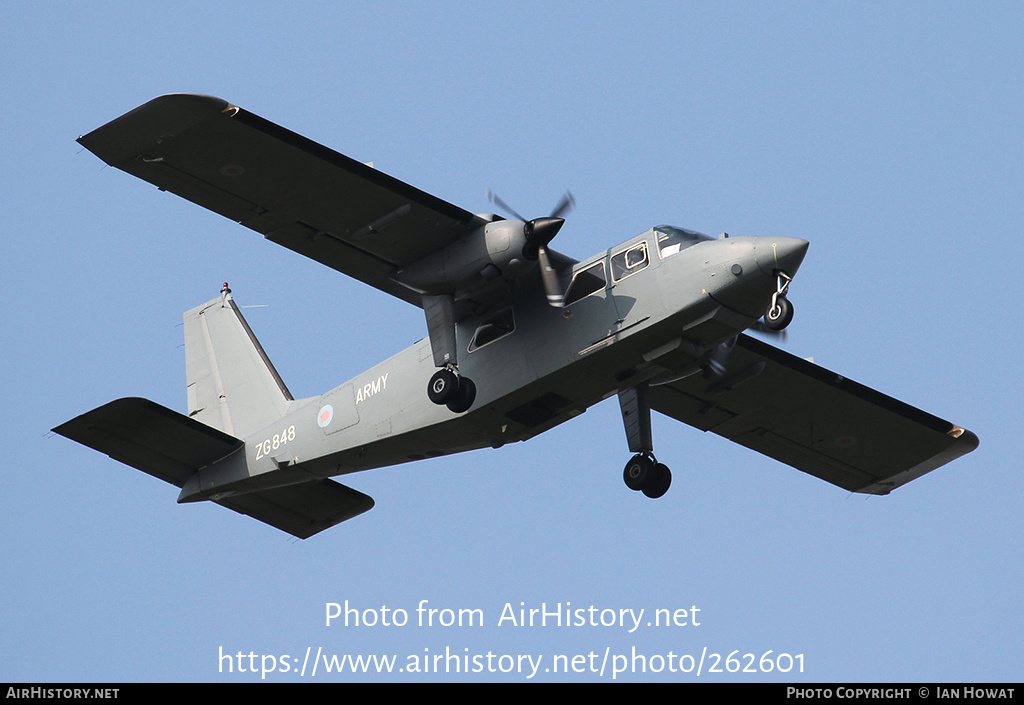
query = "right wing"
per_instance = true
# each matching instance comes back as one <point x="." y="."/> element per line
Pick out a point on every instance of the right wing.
<point x="814" y="420"/>
<point x="295" y="192"/>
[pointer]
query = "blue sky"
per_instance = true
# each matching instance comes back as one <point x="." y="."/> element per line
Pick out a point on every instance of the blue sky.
<point x="886" y="134"/>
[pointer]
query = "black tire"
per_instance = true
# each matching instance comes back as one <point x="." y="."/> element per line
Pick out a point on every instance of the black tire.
<point x="464" y="398"/>
<point x="443" y="387"/>
<point x="659" y="482"/>
<point x="637" y="472"/>
<point x="780" y="316"/>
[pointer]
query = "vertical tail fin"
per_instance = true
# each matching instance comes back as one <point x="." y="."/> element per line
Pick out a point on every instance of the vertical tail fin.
<point x="232" y="384"/>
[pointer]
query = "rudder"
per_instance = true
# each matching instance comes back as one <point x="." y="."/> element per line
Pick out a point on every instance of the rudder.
<point x="232" y="385"/>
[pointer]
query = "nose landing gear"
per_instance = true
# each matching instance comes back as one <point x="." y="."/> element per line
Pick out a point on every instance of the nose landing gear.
<point x="780" y="311"/>
<point x="779" y="314"/>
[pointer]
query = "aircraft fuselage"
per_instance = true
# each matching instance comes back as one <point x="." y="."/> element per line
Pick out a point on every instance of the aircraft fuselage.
<point x="667" y="299"/>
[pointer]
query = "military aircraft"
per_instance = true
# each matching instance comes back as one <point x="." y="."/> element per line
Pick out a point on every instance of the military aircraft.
<point x="520" y="337"/>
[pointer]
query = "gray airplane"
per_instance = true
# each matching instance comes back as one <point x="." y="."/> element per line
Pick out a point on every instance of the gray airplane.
<point x="520" y="337"/>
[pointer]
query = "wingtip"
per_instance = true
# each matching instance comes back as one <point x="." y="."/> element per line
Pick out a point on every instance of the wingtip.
<point x="967" y="439"/>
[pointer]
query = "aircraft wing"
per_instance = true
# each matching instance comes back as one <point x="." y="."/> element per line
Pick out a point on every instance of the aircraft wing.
<point x="293" y="191"/>
<point x="814" y="420"/>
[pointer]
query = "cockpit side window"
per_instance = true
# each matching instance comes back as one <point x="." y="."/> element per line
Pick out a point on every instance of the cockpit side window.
<point x="672" y="240"/>
<point x="629" y="261"/>
<point x="586" y="282"/>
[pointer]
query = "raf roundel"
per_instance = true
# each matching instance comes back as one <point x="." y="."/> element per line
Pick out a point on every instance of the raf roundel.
<point x="325" y="415"/>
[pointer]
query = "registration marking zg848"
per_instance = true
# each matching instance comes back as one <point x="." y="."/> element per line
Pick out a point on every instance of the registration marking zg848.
<point x="276" y="441"/>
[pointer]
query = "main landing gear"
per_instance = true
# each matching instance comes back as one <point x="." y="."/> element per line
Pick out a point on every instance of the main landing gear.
<point x="447" y="388"/>
<point x="643" y="473"/>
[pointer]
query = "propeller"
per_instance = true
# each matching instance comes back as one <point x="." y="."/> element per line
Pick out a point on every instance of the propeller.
<point x="720" y="357"/>
<point x="718" y="362"/>
<point x="539" y="232"/>
<point x="760" y="327"/>
<point x="564" y="206"/>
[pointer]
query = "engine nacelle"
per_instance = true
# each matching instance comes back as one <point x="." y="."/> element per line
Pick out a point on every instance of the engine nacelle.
<point x="477" y="261"/>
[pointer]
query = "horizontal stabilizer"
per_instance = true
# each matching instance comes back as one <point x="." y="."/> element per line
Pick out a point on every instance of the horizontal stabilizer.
<point x="173" y="447"/>
<point x="302" y="510"/>
<point x="150" y="438"/>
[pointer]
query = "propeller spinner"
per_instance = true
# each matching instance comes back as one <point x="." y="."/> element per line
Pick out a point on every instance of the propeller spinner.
<point x="539" y="233"/>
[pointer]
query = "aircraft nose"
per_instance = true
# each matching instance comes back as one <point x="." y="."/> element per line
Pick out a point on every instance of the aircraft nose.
<point x="784" y="253"/>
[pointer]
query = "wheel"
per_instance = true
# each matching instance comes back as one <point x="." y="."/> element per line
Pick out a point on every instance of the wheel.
<point x="464" y="398"/>
<point x="779" y="316"/>
<point x="637" y="471"/>
<point x="443" y="386"/>
<point x="658" y="482"/>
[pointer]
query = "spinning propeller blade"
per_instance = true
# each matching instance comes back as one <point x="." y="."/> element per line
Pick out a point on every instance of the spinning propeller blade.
<point x="493" y="198"/>
<point x="760" y="327"/>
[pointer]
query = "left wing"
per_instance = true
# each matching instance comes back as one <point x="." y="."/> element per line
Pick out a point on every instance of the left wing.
<point x="814" y="420"/>
<point x="295" y="192"/>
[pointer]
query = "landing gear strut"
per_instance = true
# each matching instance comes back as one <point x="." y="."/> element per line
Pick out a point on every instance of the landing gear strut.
<point x="643" y="473"/>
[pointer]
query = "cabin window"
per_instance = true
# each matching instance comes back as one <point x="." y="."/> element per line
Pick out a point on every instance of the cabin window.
<point x="493" y="328"/>
<point x="629" y="261"/>
<point x="586" y="282"/>
<point x="672" y="239"/>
